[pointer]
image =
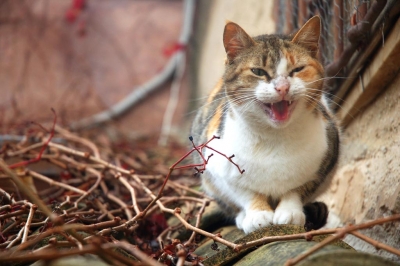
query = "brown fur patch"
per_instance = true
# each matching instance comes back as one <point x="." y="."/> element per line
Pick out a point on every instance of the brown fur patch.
<point x="324" y="118"/>
<point x="260" y="202"/>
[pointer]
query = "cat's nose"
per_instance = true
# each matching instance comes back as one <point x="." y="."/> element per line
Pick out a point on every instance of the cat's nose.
<point x="282" y="86"/>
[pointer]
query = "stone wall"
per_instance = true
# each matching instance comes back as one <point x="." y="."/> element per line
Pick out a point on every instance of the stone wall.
<point x="367" y="183"/>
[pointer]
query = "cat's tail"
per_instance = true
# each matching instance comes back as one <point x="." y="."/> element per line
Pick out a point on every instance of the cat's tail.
<point x="316" y="215"/>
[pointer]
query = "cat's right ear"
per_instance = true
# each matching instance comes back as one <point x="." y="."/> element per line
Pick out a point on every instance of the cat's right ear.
<point x="308" y="35"/>
<point x="235" y="40"/>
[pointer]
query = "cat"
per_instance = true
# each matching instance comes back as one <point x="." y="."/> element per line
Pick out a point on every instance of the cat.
<point x="270" y="111"/>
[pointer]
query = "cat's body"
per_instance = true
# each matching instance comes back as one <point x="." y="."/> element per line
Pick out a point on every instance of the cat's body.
<point x="270" y="112"/>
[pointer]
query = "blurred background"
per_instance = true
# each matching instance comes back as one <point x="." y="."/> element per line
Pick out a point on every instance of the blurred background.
<point x="139" y="70"/>
<point x="136" y="67"/>
<point x="82" y="57"/>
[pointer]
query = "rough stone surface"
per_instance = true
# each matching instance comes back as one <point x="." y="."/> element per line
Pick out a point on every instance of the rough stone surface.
<point x="367" y="183"/>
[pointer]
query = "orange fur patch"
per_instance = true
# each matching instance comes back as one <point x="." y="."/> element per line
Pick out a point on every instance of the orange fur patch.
<point x="215" y="91"/>
<point x="318" y="67"/>
<point x="215" y="121"/>
<point x="260" y="203"/>
<point x="309" y="74"/>
<point x="289" y="56"/>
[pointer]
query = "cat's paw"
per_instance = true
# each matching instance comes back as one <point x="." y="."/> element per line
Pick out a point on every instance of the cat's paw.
<point x="239" y="219"/>
<point x="289" y="216"/>
<point x="254" y="220"/>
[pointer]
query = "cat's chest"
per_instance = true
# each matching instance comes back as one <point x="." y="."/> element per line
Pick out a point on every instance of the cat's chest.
<point x="279" y="160"/>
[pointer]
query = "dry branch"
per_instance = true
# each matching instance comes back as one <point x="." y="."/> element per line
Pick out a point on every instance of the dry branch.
<point x="98" y="206"/>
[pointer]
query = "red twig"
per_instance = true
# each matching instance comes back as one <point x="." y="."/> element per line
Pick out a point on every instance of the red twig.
<point x="228" y="158"/>
<point x="39" y="157"/>
<point x="199" y="150"/>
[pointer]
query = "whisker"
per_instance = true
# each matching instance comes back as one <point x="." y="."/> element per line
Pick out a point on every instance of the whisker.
<point x="330" y="102"/>
<point x="327" y="93"/>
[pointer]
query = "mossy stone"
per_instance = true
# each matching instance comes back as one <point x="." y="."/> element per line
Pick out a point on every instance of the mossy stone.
<point x="346" y="258"/>
<point x="230" y="233"/>
<point x="225" y="256"/>
<point x="278" y="253"/>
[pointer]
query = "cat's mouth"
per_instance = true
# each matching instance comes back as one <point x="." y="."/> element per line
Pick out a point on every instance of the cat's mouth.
<point x="279" y="111"/>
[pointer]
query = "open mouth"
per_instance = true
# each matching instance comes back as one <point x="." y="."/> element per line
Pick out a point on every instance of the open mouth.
<point x="279" y="111"/>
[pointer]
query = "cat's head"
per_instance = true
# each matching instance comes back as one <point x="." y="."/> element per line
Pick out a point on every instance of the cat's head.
<point x="273" y="78"/>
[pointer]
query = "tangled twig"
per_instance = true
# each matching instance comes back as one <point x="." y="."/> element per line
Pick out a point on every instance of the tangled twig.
<point x="98" y="205"/>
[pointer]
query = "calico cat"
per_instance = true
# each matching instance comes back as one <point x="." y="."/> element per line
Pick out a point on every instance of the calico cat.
<point x="269" y="110"/>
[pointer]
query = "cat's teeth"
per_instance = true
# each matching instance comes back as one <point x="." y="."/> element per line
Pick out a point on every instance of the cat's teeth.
<point x="290" y="102"/>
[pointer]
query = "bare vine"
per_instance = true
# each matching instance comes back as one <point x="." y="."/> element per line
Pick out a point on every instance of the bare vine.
<point x="98" y="205"/>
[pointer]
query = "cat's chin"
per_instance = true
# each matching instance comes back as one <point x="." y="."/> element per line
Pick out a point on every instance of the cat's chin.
<point x="279" y="112"/>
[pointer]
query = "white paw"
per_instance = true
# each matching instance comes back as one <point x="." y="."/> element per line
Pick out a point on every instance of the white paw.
<point x="239" y="219"/>
<point x="254" y="220"/>
<point x="289" y="216"/>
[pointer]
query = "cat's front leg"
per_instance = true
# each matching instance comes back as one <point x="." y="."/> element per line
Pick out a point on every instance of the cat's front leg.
<point x="290" y="210"/>
<point x="257" y="214"/>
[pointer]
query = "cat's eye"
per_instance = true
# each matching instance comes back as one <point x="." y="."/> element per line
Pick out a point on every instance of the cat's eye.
<point x="260" y="72"/>
<point x="297" y="69"/>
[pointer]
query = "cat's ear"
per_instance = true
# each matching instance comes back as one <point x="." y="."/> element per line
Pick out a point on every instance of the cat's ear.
<point x="235" y="40"/>
<point x="308" y="35"/>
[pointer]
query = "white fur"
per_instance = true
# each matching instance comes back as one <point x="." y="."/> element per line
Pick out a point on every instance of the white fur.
<point x="277" y="157"/>
<point x="281" y="69"/>
<point x="254" y="220"/>
<point x="290" y="210"/>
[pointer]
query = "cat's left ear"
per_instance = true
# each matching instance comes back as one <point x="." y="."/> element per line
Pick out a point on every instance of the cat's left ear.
<point x="308" y="35"/>
<point x="235" y="40"/>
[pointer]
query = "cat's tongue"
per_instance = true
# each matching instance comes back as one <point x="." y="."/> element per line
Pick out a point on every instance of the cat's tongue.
<point x="280" y="110"/>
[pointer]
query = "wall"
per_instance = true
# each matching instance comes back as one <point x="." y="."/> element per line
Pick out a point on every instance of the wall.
<point x="367" y="183"/>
